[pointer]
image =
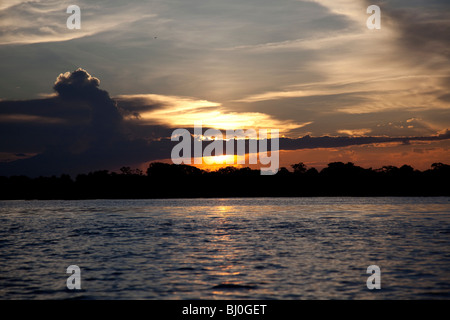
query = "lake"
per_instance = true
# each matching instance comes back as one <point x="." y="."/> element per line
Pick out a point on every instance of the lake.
<point x="239" y="248"/>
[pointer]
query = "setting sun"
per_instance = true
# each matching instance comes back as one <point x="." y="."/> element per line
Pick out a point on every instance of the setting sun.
<point x="220" y="161"/>
<point x="214" y="163"/>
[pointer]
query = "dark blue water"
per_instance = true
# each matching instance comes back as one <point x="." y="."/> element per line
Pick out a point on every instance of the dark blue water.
<point x="276" y="248"/>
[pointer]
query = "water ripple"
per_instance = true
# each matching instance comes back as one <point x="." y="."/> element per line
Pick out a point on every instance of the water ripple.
<point x="272" y="248"/>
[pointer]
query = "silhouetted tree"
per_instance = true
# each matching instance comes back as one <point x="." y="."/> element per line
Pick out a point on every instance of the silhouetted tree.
<point x="126" y="170"/>
<point x="170" y="180"/>
<point x="156" y="169"/>
<point x="283" y="172"/>
<point x="341" y="169"/>
<point x="311" y="172"/>
<point x="227" y="171"/>
<point x="438" y="166"/>
<point x="299" y="168"/>
<point x="406" y="170"/>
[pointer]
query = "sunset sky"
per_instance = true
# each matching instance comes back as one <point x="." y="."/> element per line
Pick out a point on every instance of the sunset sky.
<point x="111" y="93"/>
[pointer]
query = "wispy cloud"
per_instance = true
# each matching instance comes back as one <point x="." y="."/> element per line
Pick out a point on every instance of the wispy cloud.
<point x="179" y="112"/>
<point x="39" y="21"/>
<point x="355" y="132"/>
<point x="374" y="71"/>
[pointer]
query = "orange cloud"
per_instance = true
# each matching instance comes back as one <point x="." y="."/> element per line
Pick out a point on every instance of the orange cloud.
<point x="182" y="112"/>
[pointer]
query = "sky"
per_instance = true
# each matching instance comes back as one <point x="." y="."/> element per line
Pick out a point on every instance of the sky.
<point x="111" y="93"/>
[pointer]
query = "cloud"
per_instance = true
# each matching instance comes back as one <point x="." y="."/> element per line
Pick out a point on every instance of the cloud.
<point x="70" y="84"/>
<point x="90" y="132"/>
<point x="355" y="132"/>
<point x="355" y="74"/>
<point x="182" y="112"/>
<point x="308" y="142"/>
<point x="81" y="128"/>
<point x="305" y="67"/>
<point x="44" y="21"/>
<point x="80" y="86"/>
<point x="21" y="118"/>
<point x="423" y="27"/>
<point x="93" y="133"/>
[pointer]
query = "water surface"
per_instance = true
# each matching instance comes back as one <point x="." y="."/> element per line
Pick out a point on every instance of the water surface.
<point x="269" y="248"/>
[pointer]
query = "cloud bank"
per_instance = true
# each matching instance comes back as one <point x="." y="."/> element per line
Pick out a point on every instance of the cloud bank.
<point x="296" y="62"/>
<point x="81" y="128"/>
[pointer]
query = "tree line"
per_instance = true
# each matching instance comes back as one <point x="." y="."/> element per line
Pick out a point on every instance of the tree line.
<point x="162" y="180"/>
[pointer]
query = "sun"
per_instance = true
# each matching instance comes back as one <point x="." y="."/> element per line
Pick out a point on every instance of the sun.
<point x="223" y="159"/>
<point x="214" y="163"/>
<point x="220" y="160"/>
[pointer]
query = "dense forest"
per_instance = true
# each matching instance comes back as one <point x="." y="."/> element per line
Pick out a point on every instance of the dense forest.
<point x="164" y="180"/>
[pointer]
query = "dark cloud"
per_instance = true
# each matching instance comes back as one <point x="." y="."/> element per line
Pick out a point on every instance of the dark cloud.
<point x="79" y="82"/>
<point x="423" y="26"/>
<point x="136" y="105"/>
<point x="80" y="86"/>
<point x="56" y="161"/>
<point x="90" y="135"/>
<point x="308" y="142"/>
<point x="83" y="115"/>
<point x="445" y="97"/>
